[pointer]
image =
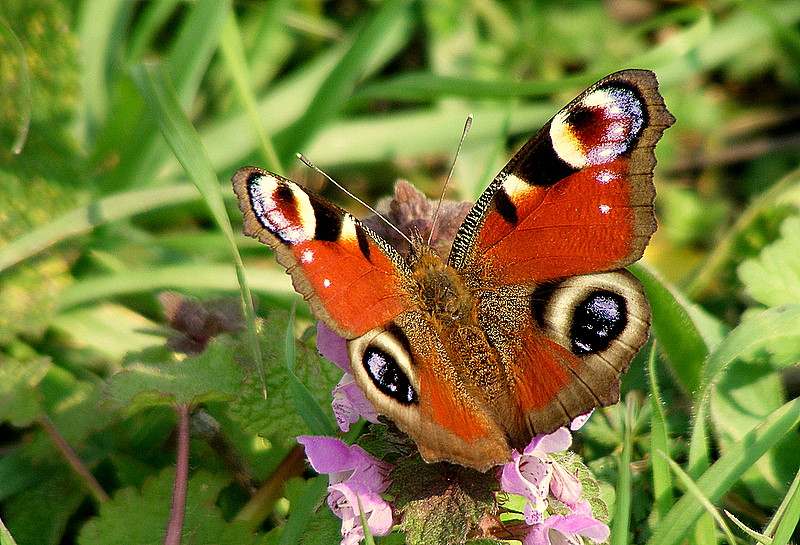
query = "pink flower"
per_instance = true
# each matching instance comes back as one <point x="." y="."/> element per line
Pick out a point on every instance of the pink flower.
<point x="349" y="402"/>
<point x="344" y="500"/>
<point x="564" y="530"/>
<point x="333" y="347"/>
<point x="353" y="477"/>
<point x="534" y="473"/>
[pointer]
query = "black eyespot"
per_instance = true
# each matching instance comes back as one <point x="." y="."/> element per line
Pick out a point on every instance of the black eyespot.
<point x="387" y="376"/>
<point x="598" y="320"/>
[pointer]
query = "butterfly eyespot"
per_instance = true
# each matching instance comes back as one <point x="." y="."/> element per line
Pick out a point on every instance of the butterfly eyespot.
<point x="387" y="376"/>
<point x="594" y="315"/>
<point x="597" y="321"/>
<point x="381" y="363"/>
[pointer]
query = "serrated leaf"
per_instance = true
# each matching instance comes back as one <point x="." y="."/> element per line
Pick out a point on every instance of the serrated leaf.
<point x="441" y="503"/>
<point x="277" y="416"/>
<point x="134" y="516"/>
<point x="20" y="399"/>
<point x="211" y="375"/>
<point x="387" y="443"/>
<point x="773" y="278"/>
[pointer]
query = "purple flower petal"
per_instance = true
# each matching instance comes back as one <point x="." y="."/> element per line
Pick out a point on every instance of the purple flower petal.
<point x="565" y="486"/>
<point x="344" y="500"/>
<point x="342" y="463"/>
<point x="559" y="529"/>
<point x="333" y="347"/>
<point x="580" y="421"/>
<point x="349" y="403"/>
<point x="558" y="441"/>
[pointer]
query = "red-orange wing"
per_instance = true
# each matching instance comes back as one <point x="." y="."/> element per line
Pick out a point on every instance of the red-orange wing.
<point x="578" y="197"/>
<point x="352" y="279"/>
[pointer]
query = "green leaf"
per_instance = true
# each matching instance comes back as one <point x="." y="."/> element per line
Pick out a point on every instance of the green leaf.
<point x="340" y="83"/>
<point x="20" y="398"/>
<point x="278" y="416"/>
<point x="40" y="514"/>
<point x="140" y="517"/>
<point x="5" y="536"/>
<point x="441" y="502"/>
<point x="659" y="442"/>
<point x="683" y="330"/>
<point x="773" y="278"/>
<point x="211" y="375"/>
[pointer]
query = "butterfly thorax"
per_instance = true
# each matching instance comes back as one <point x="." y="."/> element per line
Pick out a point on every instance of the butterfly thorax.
<point x="438" y="289"/>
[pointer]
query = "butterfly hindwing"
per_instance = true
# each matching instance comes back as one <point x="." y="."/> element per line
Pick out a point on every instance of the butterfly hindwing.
<point x="352" y="279"/>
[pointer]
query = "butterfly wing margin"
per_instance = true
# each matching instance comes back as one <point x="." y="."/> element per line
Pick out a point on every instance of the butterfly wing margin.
<point x="578" y="197"/>
<point x="351" y="278"/>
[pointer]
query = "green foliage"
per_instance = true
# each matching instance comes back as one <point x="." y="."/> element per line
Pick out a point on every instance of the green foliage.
<point x="278" y="416"/>
<point x="139" y="516"/>
<point x="120" y="125"/>
<point x="212" y="375"/>
<point x="19" y="378"/>
<point x="773" y="277"/>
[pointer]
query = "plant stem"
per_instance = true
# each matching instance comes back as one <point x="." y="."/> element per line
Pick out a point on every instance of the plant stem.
<point x="263" y="502"/>
<point x="74" y="461"/>
<point x="178" y="509"/>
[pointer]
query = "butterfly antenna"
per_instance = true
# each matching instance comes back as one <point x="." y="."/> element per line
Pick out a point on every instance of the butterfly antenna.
<point x="311" y="165"/>
<point x="467" y="126"/>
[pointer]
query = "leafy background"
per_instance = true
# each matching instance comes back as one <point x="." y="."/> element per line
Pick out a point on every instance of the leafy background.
<point x="121" y="123"/>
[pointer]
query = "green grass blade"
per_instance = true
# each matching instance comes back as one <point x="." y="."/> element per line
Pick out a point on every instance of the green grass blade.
<point x="162" y="100"/>
<point x="99" y="33"/>
<point x="85" y="218"/>
<point x="659" y="442"/>
<point x="696" y="493"/>
<point x="719" y="478"/>
<point x="771" y="325"/>
<point x="307" y="407"/>
<point x="232" y="51"/>
<point x="270" y="282"/>
<point x="677" y="332"/>
<point x="784" y="523"/>
<point x="622" y="505"/>
<point x="187" y="63"/>
<point x="5" y="535"/>
<point x="339" y="85"/>
<point x="154" y="16"/>
<point x="21" y="102"/>
<point x="301" y="512"/>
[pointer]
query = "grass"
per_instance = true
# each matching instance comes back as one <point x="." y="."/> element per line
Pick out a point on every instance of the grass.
<point x="132" y="116"/>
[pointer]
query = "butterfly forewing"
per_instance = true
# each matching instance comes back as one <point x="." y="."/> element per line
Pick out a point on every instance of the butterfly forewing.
<point x="353" y="281"/>
<point x="578" y="197"/>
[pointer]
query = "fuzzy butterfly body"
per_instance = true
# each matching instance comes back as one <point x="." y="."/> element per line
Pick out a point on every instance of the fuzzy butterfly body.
<point x="531" y="319"/>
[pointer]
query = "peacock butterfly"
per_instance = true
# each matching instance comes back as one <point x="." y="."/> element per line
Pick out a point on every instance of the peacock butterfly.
<point x="530" y="321"/>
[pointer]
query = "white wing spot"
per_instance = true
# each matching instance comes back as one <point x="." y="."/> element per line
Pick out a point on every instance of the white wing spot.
<point x="604" y="209"/>
<point x="326" y="283"/>
<point x="606" y="176"/>
<point x="307" y="256"/>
